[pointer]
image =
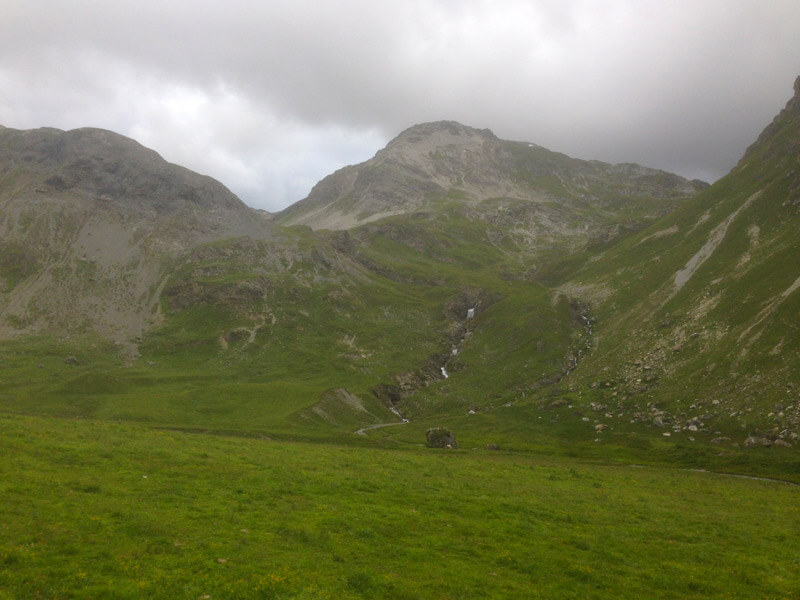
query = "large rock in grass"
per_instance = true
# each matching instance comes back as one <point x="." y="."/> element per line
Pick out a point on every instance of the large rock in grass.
<point x="441" y="437"/>
<point x="757" y="441"/>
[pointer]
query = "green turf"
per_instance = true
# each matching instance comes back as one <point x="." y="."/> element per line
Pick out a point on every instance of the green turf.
<point x="93" y="509"/>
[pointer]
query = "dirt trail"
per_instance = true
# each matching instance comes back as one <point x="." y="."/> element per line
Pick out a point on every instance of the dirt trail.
<point x="403" y="421"/>
<point x="364" y="430"/>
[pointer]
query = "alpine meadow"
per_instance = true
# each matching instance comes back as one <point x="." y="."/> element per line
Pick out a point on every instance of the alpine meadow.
<point x="465" y="368"/>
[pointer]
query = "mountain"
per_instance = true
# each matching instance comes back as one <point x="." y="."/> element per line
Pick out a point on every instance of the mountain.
<point x="186" y="383"/>
<point x="89" y="220"/>
<point x="95" y="227"/>
<point x="697" y="315"/>
<point x="513" y="293"/>
<point x="104" y="241"/>
<point x="539" y="193"/>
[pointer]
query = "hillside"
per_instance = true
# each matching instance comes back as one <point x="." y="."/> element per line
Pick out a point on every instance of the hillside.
<point x="89" y="221"/>
<point x="697" y="315"/>
<point x="341" y="326"/>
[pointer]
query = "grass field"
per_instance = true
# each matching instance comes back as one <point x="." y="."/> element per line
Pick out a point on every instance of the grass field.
<point x="101" y="510"/>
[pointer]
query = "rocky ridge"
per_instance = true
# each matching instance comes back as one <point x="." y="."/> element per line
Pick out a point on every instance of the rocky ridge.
<point x="445" y="163"/>
<point x="88" y="221"/>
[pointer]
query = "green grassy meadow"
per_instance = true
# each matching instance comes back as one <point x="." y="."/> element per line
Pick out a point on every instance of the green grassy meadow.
<point x="105" y="510"/>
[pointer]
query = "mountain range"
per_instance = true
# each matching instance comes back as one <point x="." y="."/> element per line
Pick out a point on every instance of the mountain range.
<point x="454" y="277"/>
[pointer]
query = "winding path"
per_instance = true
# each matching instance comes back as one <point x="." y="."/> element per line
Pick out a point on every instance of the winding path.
<point x="364" y="430"/>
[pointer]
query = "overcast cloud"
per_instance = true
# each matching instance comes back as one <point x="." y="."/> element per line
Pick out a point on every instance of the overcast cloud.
<point x="270" y="96"/>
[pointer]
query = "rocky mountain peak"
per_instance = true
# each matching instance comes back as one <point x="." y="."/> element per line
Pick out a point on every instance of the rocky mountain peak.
<point x="87" y="217"/>
<point x="426" y="139"/>
<point x="782" y="136"/>
<point x="441" y="132"/>
<point x="105" y="165"/>
<point x="444" y="162"/>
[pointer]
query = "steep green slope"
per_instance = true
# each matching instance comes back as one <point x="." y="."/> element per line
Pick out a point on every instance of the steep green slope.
<point x="697" y="316"/>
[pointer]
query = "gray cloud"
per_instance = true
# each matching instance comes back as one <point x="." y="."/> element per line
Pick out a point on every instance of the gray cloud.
<point x="269" y="97"/>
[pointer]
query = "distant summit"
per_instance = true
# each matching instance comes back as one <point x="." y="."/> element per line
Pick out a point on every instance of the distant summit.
<point x="440" y="131"/>
<point x="106" y="165"/>
<point x="783" y="134"/>
<point x="88" y="218"/>
<point x="433" y="162"/>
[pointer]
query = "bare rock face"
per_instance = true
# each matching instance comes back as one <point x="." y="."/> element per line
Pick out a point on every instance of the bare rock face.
<point x="88" y="221"/>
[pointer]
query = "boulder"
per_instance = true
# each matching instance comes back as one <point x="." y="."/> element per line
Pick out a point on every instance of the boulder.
<point x="441" y="437"/>
<point x="757" y="441"/>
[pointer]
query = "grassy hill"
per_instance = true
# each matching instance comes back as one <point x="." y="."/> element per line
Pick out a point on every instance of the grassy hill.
<point x="697" y="315"/>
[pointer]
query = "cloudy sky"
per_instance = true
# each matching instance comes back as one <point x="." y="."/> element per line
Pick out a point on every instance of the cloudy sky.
<point x="269" y="96"/>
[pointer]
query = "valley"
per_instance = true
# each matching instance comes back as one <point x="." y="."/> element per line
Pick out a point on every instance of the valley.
<point x="203" y="400"/>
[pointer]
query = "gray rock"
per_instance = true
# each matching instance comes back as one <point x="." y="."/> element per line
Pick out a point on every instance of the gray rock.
<point x="441" y="437"/>
<point x="757" y="441"/>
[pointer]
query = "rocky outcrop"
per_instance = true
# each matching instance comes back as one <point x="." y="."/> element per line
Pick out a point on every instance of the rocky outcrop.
<point x="441" y="437"/>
